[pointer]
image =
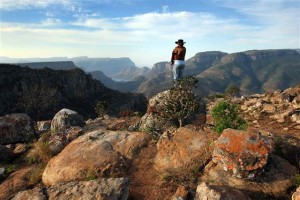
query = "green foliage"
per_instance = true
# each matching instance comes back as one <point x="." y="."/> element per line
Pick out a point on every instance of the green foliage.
<point x="296" y="180"/>
<point x="101" y="108"/>
<point x="225" y="115"/>
<point x="182" y="102"/>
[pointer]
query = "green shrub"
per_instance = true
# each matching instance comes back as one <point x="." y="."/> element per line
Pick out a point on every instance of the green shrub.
<point x="182" y="102"/>
<point x="225" y="115"/>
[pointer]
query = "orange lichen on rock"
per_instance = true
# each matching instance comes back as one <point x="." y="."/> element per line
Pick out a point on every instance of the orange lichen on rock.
<point x="242" y="152"/>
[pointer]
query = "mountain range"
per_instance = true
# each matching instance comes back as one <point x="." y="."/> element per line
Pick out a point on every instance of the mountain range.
<point x="253" y="71"/>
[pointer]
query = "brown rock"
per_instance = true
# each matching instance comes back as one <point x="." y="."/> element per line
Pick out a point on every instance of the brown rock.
<point x="100" y="153"/>
<point x="100" y="189"/>
<point x="243" y="153"/>
<point x="180" y="194"/>
<point x="275" y="180"/>
<point x="296" y="194"/>
<point x="33" y="194"/>
<point x="14" y="183"/>
<point x="184" y="147"/>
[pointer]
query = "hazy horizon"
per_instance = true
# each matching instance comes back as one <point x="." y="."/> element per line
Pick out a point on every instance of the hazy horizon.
<point x="145" y="31"/>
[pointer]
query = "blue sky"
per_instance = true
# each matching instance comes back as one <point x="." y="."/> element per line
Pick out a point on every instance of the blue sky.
<point x="144" y="30"/>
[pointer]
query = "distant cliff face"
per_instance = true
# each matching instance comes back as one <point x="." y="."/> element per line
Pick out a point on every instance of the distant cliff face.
<point x="255" y="71"/>
<point x="43" y="92"/>
<point x="109" y="66"/>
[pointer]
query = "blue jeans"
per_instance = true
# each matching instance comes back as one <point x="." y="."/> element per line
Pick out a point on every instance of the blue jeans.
<point x="178" y="71"/>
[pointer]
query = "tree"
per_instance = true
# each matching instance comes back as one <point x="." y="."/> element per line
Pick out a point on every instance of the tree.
<point x="101" y="108"/>
<point x="182" y="102"/>
<point x="225" y="115"/>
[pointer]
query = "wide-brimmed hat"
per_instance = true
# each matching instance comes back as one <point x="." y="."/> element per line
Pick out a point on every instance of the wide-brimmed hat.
<point x="180" y="40"/>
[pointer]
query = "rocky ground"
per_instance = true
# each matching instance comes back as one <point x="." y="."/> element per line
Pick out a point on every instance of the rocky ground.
<point x="109" y="158"/>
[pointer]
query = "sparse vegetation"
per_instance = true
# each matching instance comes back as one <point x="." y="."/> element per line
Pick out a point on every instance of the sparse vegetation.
<point x="225" y="115"/>
<point x="101" y="108"/>
<point x="35" y="175"/>
<point x="182" y="101"/>
<point x="296" y="180"/>
<point x="41" y="151"/>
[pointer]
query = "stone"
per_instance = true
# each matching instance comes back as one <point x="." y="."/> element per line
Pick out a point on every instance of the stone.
<point x="14" y="183"/>
<point x="182" y="148"/>
<point x="34" y="194"/>
<point x="296" y="194"/>
<point x="243" y="153"/>
<point x="180" y="194"/>
<point x="100" y="153"/>
<point x="16" y="128"/>
<point x="20" y="148"/>
<point x="216" y="192"/>
<point x="43" y="126"/>
<point x="276" y="179"/>
<point x="104" y="189"/>
<point x="64" y="119"/>
<point x="269" y="108"/>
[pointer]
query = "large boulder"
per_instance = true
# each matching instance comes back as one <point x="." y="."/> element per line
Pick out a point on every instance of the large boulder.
<point x="243" y="153"/>
<point x="99" y="153"/>
<point x="64" y="119"/>
<point x="16" y="128"/>
<point x="182" y="148"/>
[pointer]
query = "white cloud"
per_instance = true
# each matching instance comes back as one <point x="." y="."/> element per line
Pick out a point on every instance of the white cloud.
<point x="151" y="36"/>
<point x="25" y="4"/>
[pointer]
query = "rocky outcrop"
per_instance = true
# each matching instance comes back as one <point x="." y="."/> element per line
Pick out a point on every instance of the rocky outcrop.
<point x="181" y="149"/>
<point x="152" y="122"/>
<point x="16" y="128"/>
<point x="280" y="106"/>
<point x="243" y="153"/>
<point x="100" y="153"/>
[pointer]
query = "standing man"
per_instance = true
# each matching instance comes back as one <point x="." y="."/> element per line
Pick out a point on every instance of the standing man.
<point x="177" y="59"/>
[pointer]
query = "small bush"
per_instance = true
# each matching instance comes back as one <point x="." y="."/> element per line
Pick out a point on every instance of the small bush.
<point x="35" y="175"/>
<point x="101" y="108"/>
<point x="182" y="102"/>
<point x="225" y="115"/>
<point x="40" y="153"/>
<point x="296" y="180"/>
